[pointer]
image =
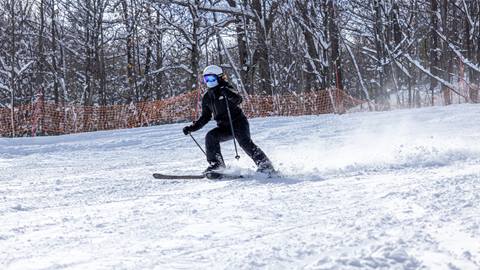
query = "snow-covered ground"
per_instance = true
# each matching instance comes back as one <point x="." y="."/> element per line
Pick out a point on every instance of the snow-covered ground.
<point x="387" y="190"/>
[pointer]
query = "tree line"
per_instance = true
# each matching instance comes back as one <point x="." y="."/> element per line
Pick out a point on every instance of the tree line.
<point x="104" y="52"/>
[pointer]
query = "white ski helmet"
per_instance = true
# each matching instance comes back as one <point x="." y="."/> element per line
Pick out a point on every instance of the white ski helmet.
<point x="213" y="70"/>
<point x="212" y="81"/>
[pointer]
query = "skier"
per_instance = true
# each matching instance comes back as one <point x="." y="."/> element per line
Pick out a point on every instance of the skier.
<point x="213" y="102"/>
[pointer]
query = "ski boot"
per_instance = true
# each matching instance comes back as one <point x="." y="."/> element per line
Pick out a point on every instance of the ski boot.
<point x="267" y="169"/>
<point x="214" y="167"/>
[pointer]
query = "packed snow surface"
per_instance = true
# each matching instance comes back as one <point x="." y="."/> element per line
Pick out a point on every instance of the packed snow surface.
<point x="383" y="190"/>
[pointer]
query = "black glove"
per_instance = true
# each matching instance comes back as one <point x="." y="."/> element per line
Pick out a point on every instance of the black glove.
<point x="187" y="130"/>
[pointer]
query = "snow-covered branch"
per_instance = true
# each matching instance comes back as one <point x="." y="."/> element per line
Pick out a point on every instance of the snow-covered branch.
<point x="426" y="71"/>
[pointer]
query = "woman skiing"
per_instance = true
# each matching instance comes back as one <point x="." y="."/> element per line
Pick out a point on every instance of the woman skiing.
<point x="213" y="103"/>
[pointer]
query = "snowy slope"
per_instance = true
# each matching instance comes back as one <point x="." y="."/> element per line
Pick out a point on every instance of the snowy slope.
<point x="385" y="190"/>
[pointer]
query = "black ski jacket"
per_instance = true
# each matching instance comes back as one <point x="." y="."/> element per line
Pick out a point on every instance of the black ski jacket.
<point x="213" y="102"/>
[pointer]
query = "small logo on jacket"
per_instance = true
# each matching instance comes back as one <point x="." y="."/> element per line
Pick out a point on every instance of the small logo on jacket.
<point x="220" y="98"/>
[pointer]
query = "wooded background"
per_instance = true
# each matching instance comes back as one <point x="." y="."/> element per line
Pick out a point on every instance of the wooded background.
<point x="108" y="52"/>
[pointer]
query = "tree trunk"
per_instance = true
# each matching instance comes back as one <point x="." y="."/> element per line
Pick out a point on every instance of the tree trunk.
<point x="335" y="58"/>
<point x="40" y="72"/>
<point x="397" y="74"/>
<point x="334" y="40"/>
<point x="127" y="19"/>
<point x="13" y="52"/>
<point x="313" y="63"/>
<point x="326" y="68"/>
<point x="148" y="57"/>
<point x="195" y="55"/>
<point x="434" y="48"/>
<point x="475" y="76"/>
<point x="158" y="60"/>
<point x="262" y="50"/>
<point x="447" y="63"/>
<point x="240" y="23"/>
<point x="102" y="66"/>
<point x="381" y="93"/>
<point x="56" y="96"/>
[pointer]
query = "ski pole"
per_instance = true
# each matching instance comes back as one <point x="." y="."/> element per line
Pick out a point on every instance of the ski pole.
<point x="197" y="143"/>
<point x="231" y="127"/>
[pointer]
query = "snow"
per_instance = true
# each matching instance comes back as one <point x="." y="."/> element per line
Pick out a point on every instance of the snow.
<point x="386" y="190"/>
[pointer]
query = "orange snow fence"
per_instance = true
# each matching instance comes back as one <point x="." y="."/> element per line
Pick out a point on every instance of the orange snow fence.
<point x="45" y="118"/>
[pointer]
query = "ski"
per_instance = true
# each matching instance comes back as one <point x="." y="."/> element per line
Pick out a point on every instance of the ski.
<point x="177" y="177"/>
<point x="224" y="176"/>
<point x="209" y="175"/>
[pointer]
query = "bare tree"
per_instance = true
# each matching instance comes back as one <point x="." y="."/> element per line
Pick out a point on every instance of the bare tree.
<point x="99" y="52"/>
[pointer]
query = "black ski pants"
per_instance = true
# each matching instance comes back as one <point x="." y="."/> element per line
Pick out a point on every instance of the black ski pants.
<point x="223" y="133"/>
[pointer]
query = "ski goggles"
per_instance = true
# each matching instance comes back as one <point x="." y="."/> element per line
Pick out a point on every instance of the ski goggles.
<point x="210" y="78"/>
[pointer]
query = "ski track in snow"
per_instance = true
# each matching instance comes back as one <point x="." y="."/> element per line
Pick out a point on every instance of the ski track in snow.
<point x="381" y="190"/>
